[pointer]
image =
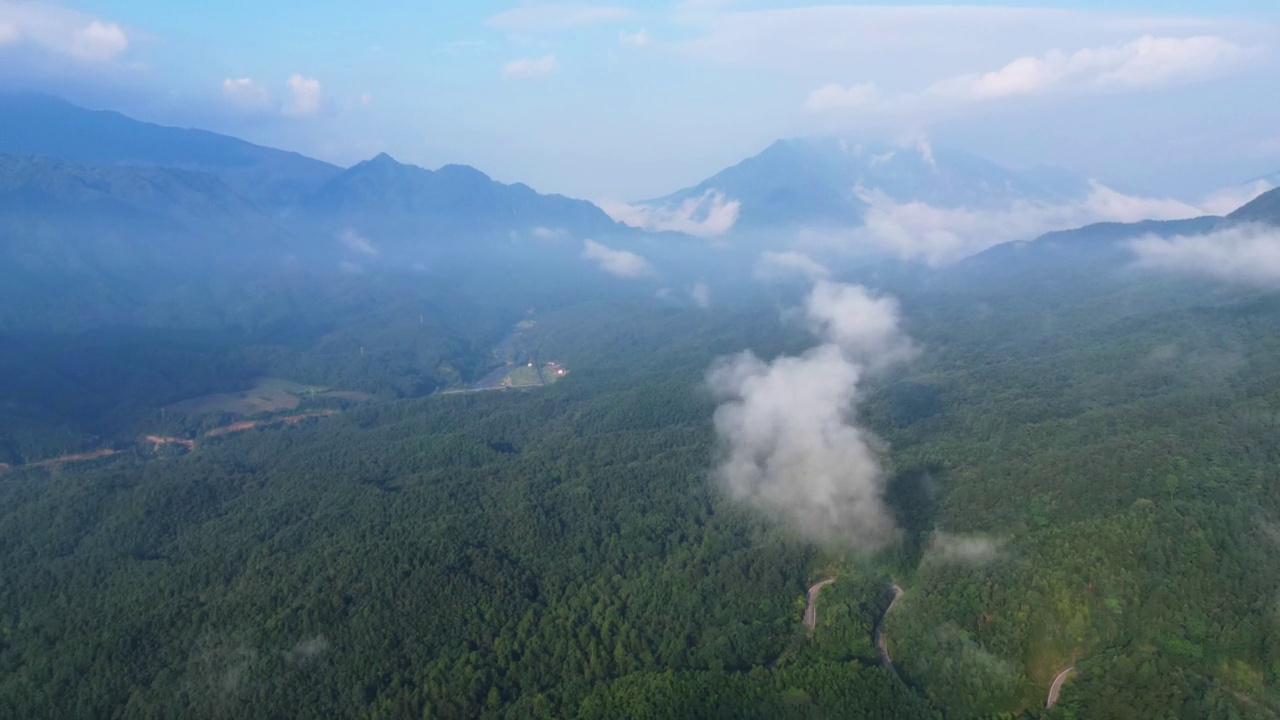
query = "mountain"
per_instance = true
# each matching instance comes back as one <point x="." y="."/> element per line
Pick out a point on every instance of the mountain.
<point x="823" y="182"/>
<point x="40" y="125"/>
<point x="93" y="244"/>
<point x="1101" y="248"/>
<point x="454" y="202"/>
<point x="59" y="190"/>
<point x="1264" y="208"/>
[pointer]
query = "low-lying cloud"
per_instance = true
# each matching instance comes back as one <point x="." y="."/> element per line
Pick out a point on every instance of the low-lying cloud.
<point x="616" y="262"/>
<point x="775" y="266"/>
<point x="706" y="215"/>
<point x="308" y="649"/>
<point x="790" y="443"/>
<point x="940" y="235"/>
<point x="1242" y="254"/>
<point x="975" y="550"/>
<point x="700" y="294"/>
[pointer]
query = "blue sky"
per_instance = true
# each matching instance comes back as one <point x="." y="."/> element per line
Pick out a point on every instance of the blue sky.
<point x="628" y="100"/>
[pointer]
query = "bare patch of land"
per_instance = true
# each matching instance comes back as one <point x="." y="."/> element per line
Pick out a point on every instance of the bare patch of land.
<point x="158" y="441"/>
<point x="74" y="457"/>
<point x="251" y="424"/>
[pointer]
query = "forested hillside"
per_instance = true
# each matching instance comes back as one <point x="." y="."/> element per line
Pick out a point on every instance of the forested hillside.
<point x="545" y="554"/>
<point x="562" y="552"/>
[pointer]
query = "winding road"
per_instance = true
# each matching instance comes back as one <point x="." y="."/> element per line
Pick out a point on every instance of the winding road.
<point x="811" y="607"/>
<point x="1056" y="688"/>
<point x="881" y="644"/>
<point x="811" y="621"/>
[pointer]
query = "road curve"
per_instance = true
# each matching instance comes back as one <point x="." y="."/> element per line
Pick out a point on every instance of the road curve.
<point x="1056" y="688"/>
<point x="881" y="644"/>
<point x="811" y="606"/>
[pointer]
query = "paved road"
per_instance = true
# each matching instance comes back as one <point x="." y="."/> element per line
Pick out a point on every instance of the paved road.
<point x="881" y="644"/>
<point x="811" y="608"/>
<point x="1056" y="688"/>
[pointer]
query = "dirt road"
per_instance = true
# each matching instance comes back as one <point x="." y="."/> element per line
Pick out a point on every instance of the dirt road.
<point x="881" y="644"/>
<point x="1056" y="688"/>
<point x="811" y="608"/>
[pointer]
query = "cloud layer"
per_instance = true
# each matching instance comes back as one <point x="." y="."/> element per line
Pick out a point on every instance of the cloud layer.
<point x="772" y="266"/>
<point x="616" y="262"/>
<point x="706" y="215"/>
<point x="791" y="446"/>
<point x="1243" y="254"/>
<point x="940" y="235"/>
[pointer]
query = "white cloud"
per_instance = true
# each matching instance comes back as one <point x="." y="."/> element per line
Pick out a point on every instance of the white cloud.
<point x="700" y="294"/>
<point x="544" y="17"/>
<point x="1243" y="254"/>
<point x="246" y="93"/>
<point x="637" y="39"/>
<point x="305" y="96"/>
<point x="864" y="324"/>
<point x="357" y="243"/>
<point x="910" y="42"/>
<point x="62" y="32"/>
<point x="545" y="233"/>
<point x="527" y="68"/>
<point x="616" y="262"/>
<point x="707" y="215"/>
<point x="99" y="42"/>
<point x="1145" y="62"/>
<point x="790" y="445"/>
<point x="785" y="265"/>
<point x="366" y="99"/>
<point x="835" y="96"/>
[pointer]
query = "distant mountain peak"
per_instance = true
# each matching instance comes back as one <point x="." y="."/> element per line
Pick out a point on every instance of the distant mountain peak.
<point x="825" y="180"/>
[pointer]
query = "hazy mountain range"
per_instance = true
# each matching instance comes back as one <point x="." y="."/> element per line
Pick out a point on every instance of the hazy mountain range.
<point x="106" y="199"/>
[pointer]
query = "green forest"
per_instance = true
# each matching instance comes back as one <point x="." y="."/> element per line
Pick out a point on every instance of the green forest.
<point x="1088" y="481"/>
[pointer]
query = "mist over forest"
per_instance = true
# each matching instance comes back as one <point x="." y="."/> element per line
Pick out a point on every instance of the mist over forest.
<point x="862" y="424"/>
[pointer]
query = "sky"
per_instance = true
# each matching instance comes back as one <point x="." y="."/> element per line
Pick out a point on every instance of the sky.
<point x="629" y="101"/>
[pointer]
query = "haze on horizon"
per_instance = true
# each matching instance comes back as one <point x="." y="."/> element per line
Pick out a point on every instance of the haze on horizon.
<point x="628" y="101"/>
